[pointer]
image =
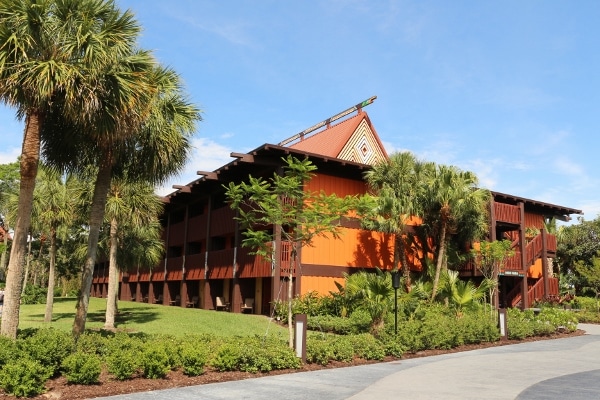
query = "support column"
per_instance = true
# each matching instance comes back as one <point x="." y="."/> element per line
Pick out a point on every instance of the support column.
<point x="524" y="267"/>
<point x="545" y="264"/>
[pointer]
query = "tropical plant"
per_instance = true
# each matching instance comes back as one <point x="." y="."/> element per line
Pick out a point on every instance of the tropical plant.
<point x="453" y="205"/>
<point x="489" y="258"/>
<point x="52" y="52"/>
<point x="372" y="292"/>
<point x="295" y="213"/>
<point x="396" y="184"/>
<point x="132" y="211"/>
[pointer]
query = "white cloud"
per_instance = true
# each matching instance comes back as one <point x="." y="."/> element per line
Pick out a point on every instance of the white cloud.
<point x="207" y="155"/>
<point x="10" y="155"/>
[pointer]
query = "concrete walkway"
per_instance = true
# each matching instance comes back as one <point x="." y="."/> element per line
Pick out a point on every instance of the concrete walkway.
<point x="550" y="369"/>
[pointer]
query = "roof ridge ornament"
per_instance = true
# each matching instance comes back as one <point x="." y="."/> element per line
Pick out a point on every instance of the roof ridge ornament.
<point x="328" y="121"/>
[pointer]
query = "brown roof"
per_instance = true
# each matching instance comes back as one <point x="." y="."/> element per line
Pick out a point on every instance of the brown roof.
<point x="331" y="141"/>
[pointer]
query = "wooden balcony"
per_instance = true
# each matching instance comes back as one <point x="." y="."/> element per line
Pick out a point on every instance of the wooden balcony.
<point x="507" y="213"/>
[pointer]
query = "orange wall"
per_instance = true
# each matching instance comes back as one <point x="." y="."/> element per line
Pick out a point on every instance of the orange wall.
<point x="354" y="248"/>
<point x="320" y="284"/>
<point x="336" y="185"/>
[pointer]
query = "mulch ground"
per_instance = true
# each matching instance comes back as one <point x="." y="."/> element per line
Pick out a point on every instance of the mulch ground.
<point x="59" y="388"/>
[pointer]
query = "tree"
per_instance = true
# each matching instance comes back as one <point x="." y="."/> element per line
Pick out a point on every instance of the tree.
<point x="396" y="185"/>
<point x="284" y="202"/>
<point x="450" y="198"/>
<point x="577" y="243"/>
<point x="132" y="211"/>
<point x="591" y="276"/>
<point x="148" y="144"/>
<point x="9" y="183"/>
<point x="489" y="258"/>
<point x="372" y="292"/>
<point x="51" y="49"/>
<point x="54" y="199"/>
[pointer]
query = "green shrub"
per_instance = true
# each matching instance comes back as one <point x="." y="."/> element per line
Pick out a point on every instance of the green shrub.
<point x="409" y="334"/>
<point x="34" y="295"/>
<point x="9" y="350"/>
<point x="94" y="342"/>
<point x="367" y="347"/>
<point x="193" y="359"/>
<point x="254" y="355"/>
<point x="24" y="377"/>
<point x="155" y="362"/>
<point x="519" y="323"/>
<point x="318" y="350"/>
<point x="82" y="368"/>
<point x="439" y="329"/>
<point x="124" y="364"/>
<point x="49" y="346"/>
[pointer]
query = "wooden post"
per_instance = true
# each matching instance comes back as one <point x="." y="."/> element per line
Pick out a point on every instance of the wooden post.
<point x="524" y="267"/>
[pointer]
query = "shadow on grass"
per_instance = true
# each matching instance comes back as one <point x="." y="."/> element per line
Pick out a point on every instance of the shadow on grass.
<point x="126" y="315"/>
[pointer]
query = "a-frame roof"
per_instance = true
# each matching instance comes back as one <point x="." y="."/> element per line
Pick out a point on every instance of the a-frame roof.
<point x="353" y="139"/>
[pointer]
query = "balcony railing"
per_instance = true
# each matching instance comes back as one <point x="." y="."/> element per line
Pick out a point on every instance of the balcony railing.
<point x="507" y="213"/>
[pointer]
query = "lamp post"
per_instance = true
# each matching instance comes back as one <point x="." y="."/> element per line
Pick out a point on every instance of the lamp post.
<point x="396" y="285"/>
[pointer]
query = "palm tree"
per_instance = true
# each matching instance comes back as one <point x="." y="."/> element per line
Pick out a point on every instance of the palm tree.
<point x="149" y="144"/>
<point x="372" y="292"/>
<point x="451" y="198"/>
<point x="55" y="200"/>
<point x="51" y="49"/>
<point x="132" y="211"/>
<point x="396" y="184"/>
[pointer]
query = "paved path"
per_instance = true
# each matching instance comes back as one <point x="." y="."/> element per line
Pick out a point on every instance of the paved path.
<point x="550" y="369"/>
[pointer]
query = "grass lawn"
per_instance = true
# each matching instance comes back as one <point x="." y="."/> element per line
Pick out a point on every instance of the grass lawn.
<point x="152" y="319"/>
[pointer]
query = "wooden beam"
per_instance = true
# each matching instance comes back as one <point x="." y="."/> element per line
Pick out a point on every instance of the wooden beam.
<point x="249" y="158"/>
<point x="208" y="175"/>
<point x="183" y="189"/>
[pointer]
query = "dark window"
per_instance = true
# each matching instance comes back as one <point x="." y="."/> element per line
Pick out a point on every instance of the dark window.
<point x="175" y="251"/>
<point x="218" y="243"/>
<point x="196" y="209"/>
<point x="194" y="248"/>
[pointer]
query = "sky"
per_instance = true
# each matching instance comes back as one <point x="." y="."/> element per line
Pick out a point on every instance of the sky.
<point x="509" y="90"/>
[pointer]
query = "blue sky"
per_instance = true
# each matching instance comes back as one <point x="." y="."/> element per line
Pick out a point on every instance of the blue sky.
<point x="508" y="90"/>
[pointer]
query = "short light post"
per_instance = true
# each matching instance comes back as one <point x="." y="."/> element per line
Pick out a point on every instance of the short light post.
<point x="396" y="285"/>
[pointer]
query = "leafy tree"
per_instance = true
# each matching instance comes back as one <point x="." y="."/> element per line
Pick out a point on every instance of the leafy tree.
<point x="149" y="144"/>
<point x="284" y="202"/>
<point x="396" y="184"/>
<point x="132" y="211"/>
<point x="453" y="205"/>
<point x="591" y="276"/>
<point x="53" y="51"/>
<point x="54" y="199"/>
<point x="577" y="243"/>
<point x="9" y="183"/>
<point x="490" y="258"/>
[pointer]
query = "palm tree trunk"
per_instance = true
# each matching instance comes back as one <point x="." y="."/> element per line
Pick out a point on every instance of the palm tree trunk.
<point x="111" y="298"/>
<point x="51" y="278"/>
<point x="101" y="189"/>
<point x="440" y="260"/>
<point x="405" y="266"/>
<point x="30" y="156"/>
<point x="3" y="258"/>
<point x="27" y="264"/>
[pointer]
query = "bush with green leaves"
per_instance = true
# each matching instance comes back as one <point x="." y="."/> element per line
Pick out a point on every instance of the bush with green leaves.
<point x="367" y="347"/>
<point x="24" y="377"/>
<point x="319" y="349"/>
<point x="82" y="368"/>
<point x="49" y="346"/>
<point x="123" y="364"/>
<point x="254" y="355"/>
<point x="34" y="295"/>
<point x="9" y="350"/>
<point x="193" y="358"/>
<point x="155" y="362"/>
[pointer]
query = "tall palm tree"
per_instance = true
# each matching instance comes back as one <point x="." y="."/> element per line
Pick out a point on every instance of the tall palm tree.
<point x="148" y="143"/>
<point x="451" y="198"/>
<point x="132" y="211"/>
<point x="56" y="204"/>
<point x="50" y="49"/>
<point x="396" y="184"/>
